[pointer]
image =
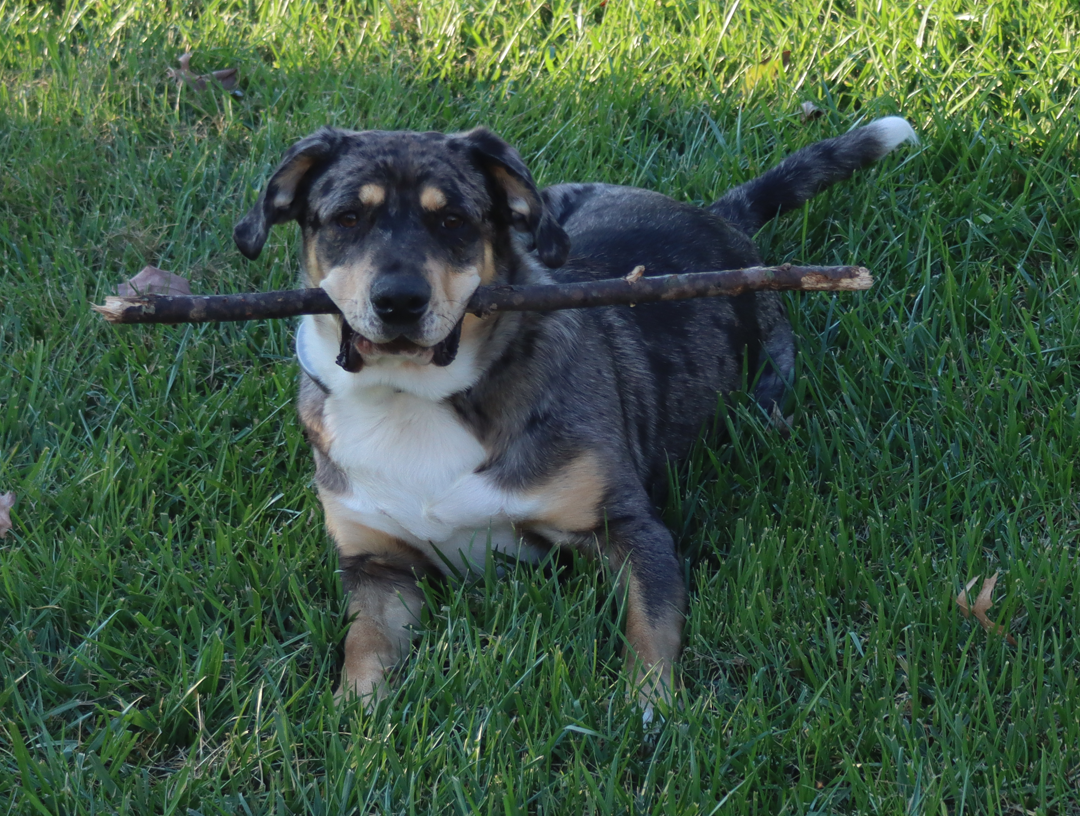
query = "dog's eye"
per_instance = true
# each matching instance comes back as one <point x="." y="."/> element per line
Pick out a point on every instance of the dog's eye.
<point x="452" y="222"/>
<point x="348" y="220"/>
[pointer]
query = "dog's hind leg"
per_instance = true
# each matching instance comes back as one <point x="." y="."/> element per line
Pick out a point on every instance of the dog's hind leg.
<point x="643" y="552"/>
<point x="777" y="353"/>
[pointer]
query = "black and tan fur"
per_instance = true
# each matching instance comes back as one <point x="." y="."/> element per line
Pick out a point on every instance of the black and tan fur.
<point x="556" y="427"/>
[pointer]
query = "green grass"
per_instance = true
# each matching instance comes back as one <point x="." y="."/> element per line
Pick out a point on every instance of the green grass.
<point x="170" y="619"/>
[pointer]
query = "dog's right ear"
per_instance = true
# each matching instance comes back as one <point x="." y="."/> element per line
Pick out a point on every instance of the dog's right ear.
<point x="278" y="202"/>
<point x="517" y="193"/>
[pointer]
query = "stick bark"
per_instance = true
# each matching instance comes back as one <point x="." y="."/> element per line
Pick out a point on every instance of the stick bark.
<point x="630" y="290"/>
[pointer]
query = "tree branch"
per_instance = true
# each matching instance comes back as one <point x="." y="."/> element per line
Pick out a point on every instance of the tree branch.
<point x="631" y="290"/>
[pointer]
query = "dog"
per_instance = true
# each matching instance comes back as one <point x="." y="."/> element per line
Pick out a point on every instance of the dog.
<point x="440" y="436"/>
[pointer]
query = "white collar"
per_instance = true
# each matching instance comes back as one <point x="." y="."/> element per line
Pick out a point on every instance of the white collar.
<point x="304" y="353"/>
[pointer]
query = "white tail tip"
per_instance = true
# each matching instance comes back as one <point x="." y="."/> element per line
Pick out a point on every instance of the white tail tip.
<point x="893" y="131"/>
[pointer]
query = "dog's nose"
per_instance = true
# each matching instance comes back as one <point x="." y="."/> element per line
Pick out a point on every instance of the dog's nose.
<point x="400" y="299"/>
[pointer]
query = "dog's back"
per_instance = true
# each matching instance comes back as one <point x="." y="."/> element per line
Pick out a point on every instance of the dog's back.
<point x="675" y="357"/>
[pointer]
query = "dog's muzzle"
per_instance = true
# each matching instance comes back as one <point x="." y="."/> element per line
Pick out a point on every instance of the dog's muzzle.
<point x="354" y="345"/>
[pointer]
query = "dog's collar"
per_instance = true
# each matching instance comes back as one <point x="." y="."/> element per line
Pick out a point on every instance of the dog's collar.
<point x="303" y="355"/>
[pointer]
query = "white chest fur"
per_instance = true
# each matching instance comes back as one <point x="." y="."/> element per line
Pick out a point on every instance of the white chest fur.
<point x="411" y="463"/>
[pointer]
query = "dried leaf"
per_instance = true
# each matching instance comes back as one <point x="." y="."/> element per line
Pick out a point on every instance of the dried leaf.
<point x="227" y="78"/>
<point x="809" y="111"/>
<point x="982" y="604"/>
<point x="766" y="72"/>
<point x="962" y="598"/>
<point x="635" y="273"/>
<point x="184" y="74"/>
<point x="7" y="501"/>
<point x="783" y="425"/>
<point x="154" y="281"/>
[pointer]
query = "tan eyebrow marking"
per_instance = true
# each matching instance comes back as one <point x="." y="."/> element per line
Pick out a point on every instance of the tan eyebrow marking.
<point x="372" y="195"/>
<point x="432" y="198"/>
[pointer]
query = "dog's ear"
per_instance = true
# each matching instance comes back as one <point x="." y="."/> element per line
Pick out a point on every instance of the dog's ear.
<point x="514" y="184"/>
<point x="279" y="202"/>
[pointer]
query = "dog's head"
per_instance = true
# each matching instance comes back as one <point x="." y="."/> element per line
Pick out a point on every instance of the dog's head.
<point x="400" y="229"/>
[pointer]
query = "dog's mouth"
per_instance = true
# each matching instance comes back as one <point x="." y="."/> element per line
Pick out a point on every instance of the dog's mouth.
<point x="354" y="347"/>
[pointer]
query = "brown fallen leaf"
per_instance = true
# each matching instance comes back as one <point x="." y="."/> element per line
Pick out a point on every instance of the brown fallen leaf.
<point x="808" y="111"/>
<point x="154" y="281"/>
<point x="227" y="78"/>
<point x="981" y="605"/>
<point x="7" y="501"/>
<point x="635" y="273"/>
<point x="783" y="425"/>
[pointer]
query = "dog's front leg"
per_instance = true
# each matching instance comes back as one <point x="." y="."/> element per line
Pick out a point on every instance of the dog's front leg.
<point x="379" y="574"/>
<point x="642" y="551"/>
<point x="383" y="607"/>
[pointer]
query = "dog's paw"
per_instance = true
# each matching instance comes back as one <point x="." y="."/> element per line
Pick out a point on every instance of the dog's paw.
<point x="655" y="695"/>
<point x="656" y="709"/>
<point x="367" y="690"/>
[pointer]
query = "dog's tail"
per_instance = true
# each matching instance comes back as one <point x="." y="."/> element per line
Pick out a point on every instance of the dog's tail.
<point x="804" y="174"/>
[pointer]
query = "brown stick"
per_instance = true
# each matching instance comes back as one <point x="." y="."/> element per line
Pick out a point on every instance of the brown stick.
<point x="488" y="299"/>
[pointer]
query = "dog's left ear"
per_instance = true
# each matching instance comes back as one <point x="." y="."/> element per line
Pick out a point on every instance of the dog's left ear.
<point x="513" y="181"/>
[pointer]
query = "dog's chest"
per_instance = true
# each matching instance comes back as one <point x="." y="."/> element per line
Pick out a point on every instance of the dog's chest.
<point x="411" y="468"/>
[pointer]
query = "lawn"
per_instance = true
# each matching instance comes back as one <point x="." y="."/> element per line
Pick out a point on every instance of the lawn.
<point x="170" y="616"/>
